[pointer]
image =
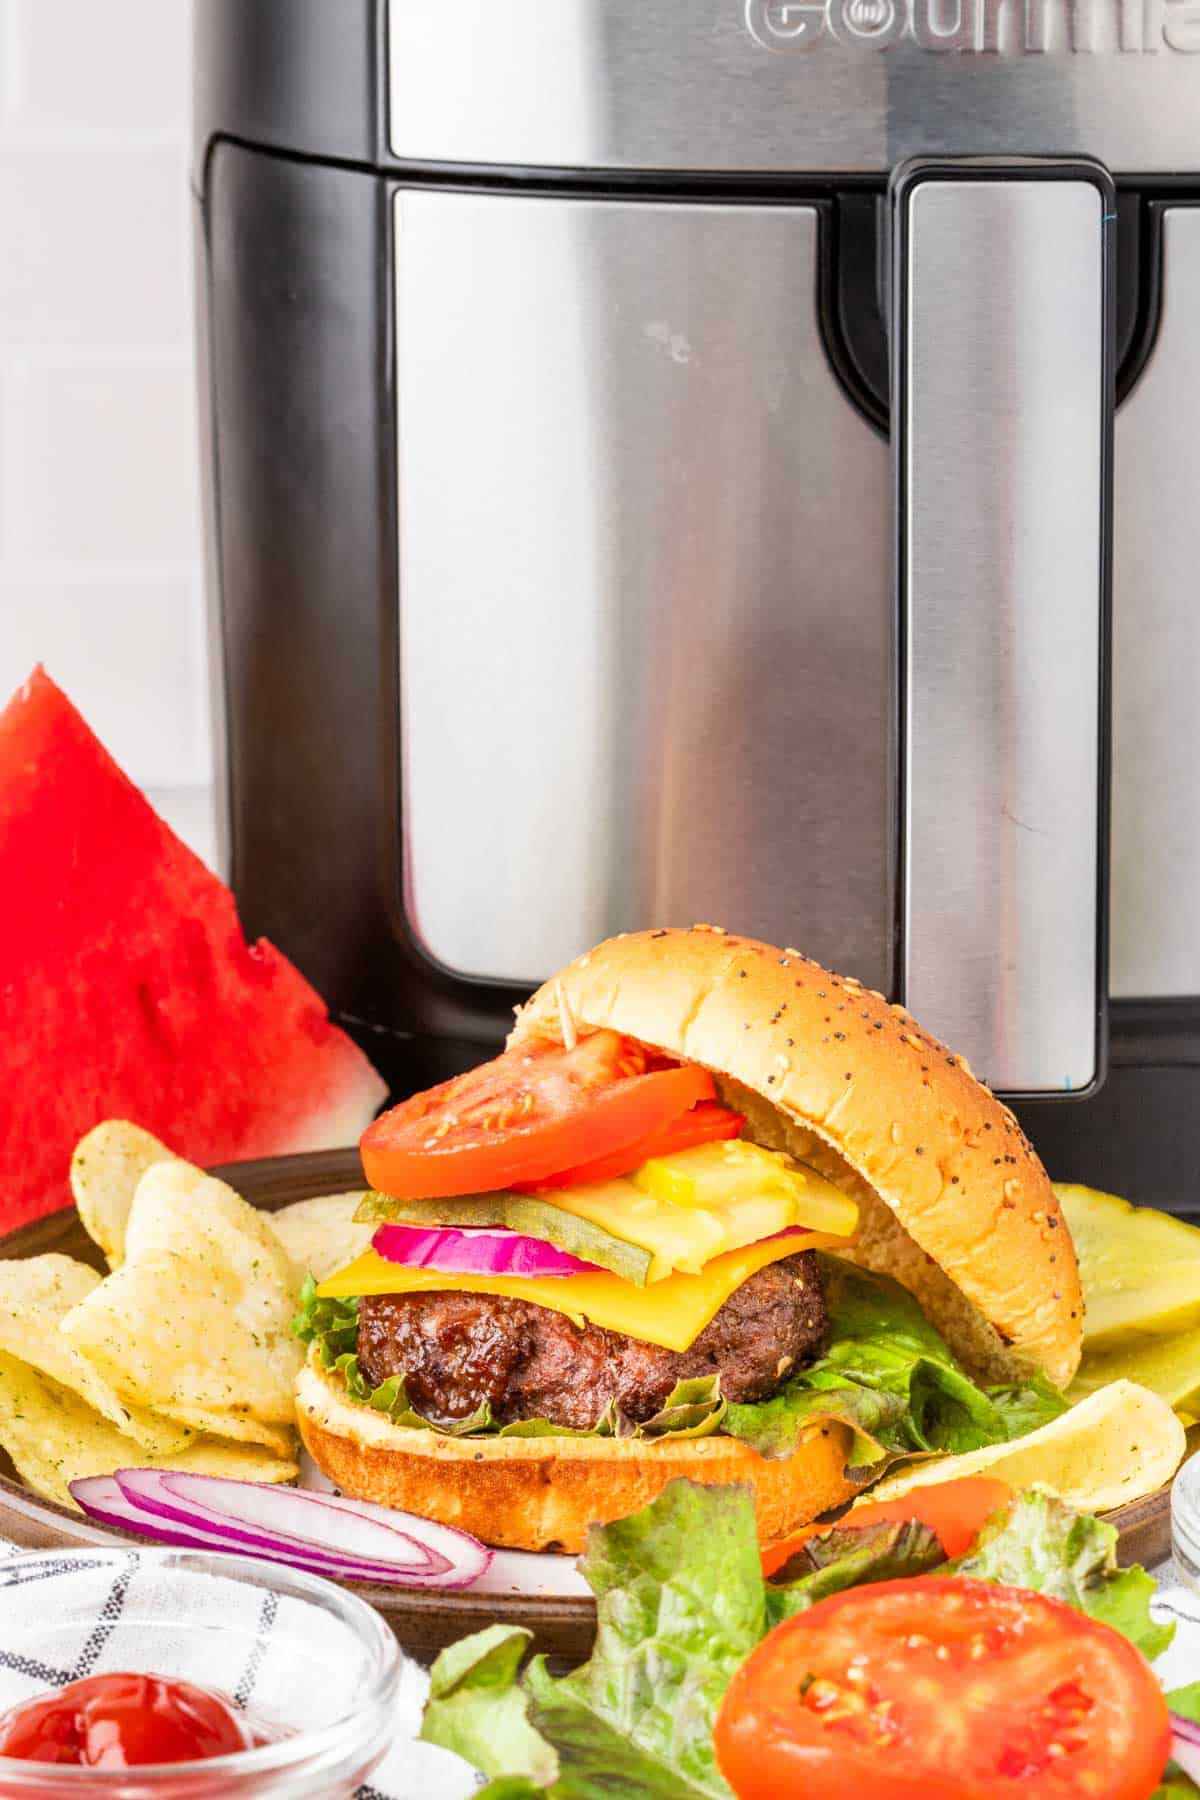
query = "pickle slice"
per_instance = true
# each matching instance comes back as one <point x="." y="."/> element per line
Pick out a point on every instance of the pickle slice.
<point x="1140" y="1268"/>
<point x="1168" y="1366"/>
<point x="526" y="1213"/>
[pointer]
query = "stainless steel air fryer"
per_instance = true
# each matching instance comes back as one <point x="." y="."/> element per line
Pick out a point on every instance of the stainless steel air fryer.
<point x="674" y="463"/>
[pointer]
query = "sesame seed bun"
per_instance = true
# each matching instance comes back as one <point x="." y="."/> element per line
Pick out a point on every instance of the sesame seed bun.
<point x="953" y="1199"/>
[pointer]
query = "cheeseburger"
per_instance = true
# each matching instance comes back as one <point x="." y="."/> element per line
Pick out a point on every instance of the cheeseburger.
<point x="714" y="1212"/>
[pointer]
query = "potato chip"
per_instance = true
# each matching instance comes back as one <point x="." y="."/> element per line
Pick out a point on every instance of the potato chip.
<point x="181" y="1210"/>
<point x="236" y="1425"/>
<point x="105" y="1170"/>
<point x="35" y="1296"/>
<point x="320" y="1235"/>
<point x="1112" y="1448"/>
<point x="174" y="1331"/>
<point x="54" y="1438"/>
<point x="199" y="1313"/>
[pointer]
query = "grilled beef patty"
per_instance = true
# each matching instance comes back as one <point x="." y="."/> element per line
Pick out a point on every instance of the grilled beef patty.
<point x="457" y="1350"/>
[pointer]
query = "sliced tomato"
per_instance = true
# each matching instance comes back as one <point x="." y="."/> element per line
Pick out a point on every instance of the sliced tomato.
<point x="943" y="1688"/>
<point x="956" y="1511"/>
<point x="528" y="1114"/>
<point x="701" y="1124"/>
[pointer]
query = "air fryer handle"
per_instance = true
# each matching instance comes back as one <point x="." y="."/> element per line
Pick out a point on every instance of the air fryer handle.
<point x="1002" y="406"/>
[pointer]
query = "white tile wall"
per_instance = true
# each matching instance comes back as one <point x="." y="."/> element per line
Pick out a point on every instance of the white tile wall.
<point x="99" y="515"/>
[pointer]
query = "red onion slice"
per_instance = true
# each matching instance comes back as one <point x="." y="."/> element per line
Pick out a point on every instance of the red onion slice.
<point x="327" y="1533"/>
<point x="1185" y="1746"/>
<point x="475" y="1250"/>
<point x="262" y="1516"/>
<point x="101" y="1498"/>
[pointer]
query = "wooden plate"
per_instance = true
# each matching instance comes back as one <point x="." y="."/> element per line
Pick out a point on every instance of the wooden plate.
<point x="562" y="1625"/>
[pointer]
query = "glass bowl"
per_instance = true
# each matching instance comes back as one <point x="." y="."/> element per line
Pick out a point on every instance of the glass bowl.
<point x="311" y="1666"/>
<point x="1185" y="1521"/>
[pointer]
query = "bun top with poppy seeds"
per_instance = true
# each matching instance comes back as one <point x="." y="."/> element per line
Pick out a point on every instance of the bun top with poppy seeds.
<point x="953" y="1199"/>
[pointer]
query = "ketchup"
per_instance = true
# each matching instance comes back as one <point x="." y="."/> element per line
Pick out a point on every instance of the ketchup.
<point x="122" y="1722"/>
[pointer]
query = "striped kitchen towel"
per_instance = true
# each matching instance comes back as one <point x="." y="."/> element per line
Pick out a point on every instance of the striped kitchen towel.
<point x="229" y="1636"/>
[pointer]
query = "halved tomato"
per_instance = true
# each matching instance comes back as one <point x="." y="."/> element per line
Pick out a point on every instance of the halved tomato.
<point x="526" y="1115"/>
<point x="955" y="1511"/>
<point x="704" y="1123"/>
<point x="944" y="1688"/>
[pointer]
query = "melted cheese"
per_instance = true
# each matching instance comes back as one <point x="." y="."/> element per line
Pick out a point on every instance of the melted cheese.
<point x="671" y="1313"/>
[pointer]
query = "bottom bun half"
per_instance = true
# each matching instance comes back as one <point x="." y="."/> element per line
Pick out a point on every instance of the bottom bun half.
<point x="543" y="1493"/>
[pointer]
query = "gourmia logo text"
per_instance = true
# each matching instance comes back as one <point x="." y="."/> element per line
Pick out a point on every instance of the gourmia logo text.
<point x="1005" y="27"/>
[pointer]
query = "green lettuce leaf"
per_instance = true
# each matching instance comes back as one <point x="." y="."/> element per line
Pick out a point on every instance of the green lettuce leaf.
<point x="1177" y="1786"/>
<point x="1042" y="1543"/>
<point x="680" y="1603"/>
<point x="600" y="1756"/>
<point x="893" y="1379"/>
<point x="845" y="1559"/>
<point x="476" y="1708"/>
<point x="333" y="1324"/>
<point x="1186" y="1701"/>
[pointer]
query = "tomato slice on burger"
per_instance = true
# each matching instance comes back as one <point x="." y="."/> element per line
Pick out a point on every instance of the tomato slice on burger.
<point x="943" y="1688"/>
<point x="529" y="1114"/>
<point x="955" y="1511"/>
<point x="704" y="1123"/>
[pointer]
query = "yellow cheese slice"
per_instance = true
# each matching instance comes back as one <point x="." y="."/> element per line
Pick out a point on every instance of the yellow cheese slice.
<point x="671" y="1313"/>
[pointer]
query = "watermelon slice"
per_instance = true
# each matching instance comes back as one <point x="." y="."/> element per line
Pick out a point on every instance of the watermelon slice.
<point x="127" y="989"/>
